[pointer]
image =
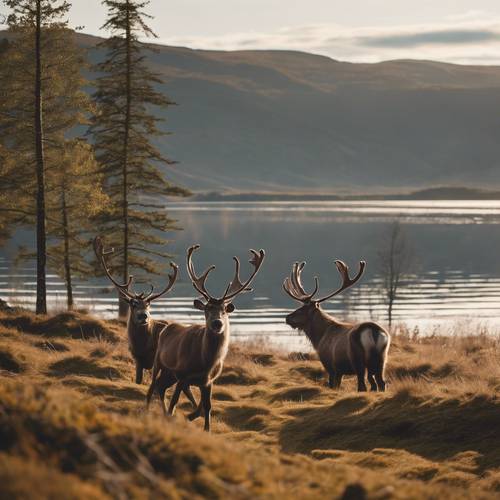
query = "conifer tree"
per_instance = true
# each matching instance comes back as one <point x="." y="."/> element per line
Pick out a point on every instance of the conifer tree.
<point x="42" y="101"/>
<point x="123" y="130"/>
<point x="75" y="199"/>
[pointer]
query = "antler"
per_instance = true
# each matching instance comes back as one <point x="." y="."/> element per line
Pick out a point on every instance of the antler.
<point x="236" y="287"/>
<point x="198" y="281"/>
<point x="171" y="280"/>
<point x="100" y="253"/>
<point x="347" y="282"/>
<point x="293" y="285"/>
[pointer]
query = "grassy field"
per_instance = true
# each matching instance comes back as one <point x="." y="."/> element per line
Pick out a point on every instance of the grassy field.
<point x="74" y="425"/>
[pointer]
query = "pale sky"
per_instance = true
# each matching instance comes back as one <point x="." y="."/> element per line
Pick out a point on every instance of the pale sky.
<point x="460" y="31"/>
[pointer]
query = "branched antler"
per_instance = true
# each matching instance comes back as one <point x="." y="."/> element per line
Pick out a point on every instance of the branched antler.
<point x="100" y="254"/>
<point x="198" y="281"/>
<point x="235" y="287"/>
<point x="293" y="285"/>
<point x="125" y="288"/>
<point x="171" y="281"/>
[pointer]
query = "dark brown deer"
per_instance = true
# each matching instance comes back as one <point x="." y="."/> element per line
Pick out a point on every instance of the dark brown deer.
<point x="343" y="348"/>
<point x="142" y="330"/>
<point x="195" y="354"/>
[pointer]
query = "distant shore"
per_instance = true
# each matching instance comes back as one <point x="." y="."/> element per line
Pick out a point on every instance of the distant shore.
<point x="438" y="193"/>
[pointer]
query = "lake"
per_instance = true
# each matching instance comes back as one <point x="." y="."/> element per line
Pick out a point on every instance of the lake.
<point x="456" y="275"/>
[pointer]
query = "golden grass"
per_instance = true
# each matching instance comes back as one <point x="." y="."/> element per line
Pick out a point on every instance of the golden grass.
<point x="74" y="425"/>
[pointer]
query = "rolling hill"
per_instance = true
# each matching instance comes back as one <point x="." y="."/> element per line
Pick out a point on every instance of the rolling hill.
<point x="290" y="121"/>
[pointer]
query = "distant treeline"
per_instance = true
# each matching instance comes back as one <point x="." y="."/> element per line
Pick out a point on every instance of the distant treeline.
<point x="75" y="163"/>
<point x="438" y="193"/>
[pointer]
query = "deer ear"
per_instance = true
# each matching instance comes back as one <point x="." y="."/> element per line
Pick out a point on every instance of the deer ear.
<point x="198" y="304"/>
<point x="230" y="307"/>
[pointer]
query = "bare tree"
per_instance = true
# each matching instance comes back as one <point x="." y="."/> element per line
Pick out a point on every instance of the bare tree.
<point x="395" y="260"/>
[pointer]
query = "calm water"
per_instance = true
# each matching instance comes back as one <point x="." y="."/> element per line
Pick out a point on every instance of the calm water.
<point x="456" y="245"/>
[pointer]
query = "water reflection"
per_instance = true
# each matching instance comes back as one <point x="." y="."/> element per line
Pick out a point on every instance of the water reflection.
<point x="458" y="273"/>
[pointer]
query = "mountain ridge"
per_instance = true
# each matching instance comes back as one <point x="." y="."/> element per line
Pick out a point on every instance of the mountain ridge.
<point x="290" y="121"/>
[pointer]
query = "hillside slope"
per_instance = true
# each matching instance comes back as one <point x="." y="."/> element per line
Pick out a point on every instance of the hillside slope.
<point x="73" y="425"/>
<point x="282" y="121"/>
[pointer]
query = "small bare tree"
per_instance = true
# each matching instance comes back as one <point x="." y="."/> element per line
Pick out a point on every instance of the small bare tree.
<point x="395" y="260"/>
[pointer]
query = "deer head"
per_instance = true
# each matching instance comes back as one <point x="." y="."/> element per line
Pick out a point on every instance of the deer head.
<point x="217" y="309"/>
<point x="294" y="288"/>
<point x="139" y="302"/>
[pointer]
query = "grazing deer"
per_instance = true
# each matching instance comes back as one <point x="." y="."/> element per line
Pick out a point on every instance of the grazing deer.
<point x="343" y="348"/>
<point x="142" y="330"/>
<point x="195" y="354"/>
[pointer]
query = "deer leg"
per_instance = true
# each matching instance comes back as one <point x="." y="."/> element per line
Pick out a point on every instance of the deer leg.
<point x="337" y="380"/>
<point x="189" y="395"/>
<point x="138" y="373"/>
<point x="152" y="387"/>
<point x="360" y="373"/>
<point x="371" y="379"/>
<point x="196" y="413"/>
<point x="206" y="399"/>
<point x="165" y="381"/>
<point x="331" y="380"/>
<point x="175" y="397"/>
<point x="380" y="381"/>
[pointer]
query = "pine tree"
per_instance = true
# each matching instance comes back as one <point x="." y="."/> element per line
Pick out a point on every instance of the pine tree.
<point x="76" y="198"/>
<point x="123" y="129"/>
<point x="41" y="83"/>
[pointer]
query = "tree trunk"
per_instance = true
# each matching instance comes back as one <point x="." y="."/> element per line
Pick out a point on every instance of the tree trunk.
<point x="389" y="311"/>
<point x="67" y="260"/>
<point x="123" y="305"/>
<point x="41" y="250"/>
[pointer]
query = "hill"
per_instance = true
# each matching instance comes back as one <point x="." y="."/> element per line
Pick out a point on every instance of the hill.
<point x="281" y="121"/>
<point x="73" y="425"/>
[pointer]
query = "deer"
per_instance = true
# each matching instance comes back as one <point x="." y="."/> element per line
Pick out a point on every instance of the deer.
<point x="142" y="330"/>
<point x="343" y="348"/>
<point x="195" y="354"/>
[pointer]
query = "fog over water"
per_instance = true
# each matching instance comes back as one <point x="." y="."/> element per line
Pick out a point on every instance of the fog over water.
<point x="456" y="274"/>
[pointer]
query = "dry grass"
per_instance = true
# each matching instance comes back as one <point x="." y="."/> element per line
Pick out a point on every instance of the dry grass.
<point x="74" y="425"/>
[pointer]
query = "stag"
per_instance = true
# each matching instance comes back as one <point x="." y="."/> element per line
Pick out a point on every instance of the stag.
<point x="142" y="330"/>
<point x="195" y="354"/>
<point x="343" y="348"/>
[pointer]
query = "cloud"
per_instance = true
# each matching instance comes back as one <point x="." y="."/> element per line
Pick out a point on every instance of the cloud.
<point x="469" y="38"/>
<point x="447" y="37"/>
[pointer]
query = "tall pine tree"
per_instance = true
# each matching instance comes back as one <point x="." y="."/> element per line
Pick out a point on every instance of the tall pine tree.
<point x="123" y="130"/>
<point x="40" y="75"/>
<point x="76" y="198"/>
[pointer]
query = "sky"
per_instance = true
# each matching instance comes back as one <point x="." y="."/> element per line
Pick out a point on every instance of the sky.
<point x="457" y="31"/>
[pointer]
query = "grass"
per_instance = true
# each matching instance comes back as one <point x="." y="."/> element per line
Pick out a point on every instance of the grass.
<point x="74" y="425"/>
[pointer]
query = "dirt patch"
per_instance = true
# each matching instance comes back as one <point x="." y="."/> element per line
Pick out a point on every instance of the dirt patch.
<point x="313" y="373"/>
<point x="297" y="394"/>
<point x="109" y="391"/>
<point x="238" y="375"/>
<point x="9" y="362"/>
<point x="263" y="359"/>
<point x="246" y="417"/>
<point x="47" y="345"/>
<point x="76" y="365"/>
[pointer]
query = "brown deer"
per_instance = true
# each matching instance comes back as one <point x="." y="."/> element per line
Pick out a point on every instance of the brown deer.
<point x="195" y="354"/>
<point x="343" y="348"/>
<point x="142" y="330"/>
